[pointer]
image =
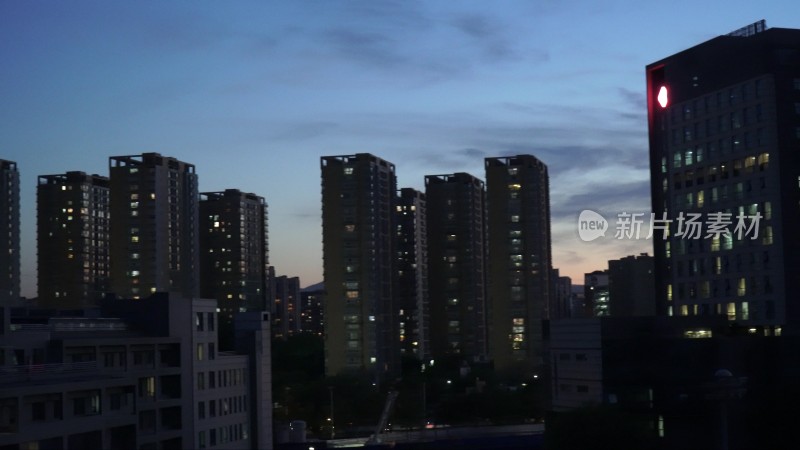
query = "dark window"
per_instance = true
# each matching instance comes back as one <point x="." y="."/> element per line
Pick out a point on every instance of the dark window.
<point x="37" y="411"/>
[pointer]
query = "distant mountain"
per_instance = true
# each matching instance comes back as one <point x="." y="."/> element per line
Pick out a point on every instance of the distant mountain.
<point x="317" y="287"/>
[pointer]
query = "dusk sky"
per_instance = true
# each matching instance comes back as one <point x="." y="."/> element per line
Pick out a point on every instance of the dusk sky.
<point x="253" y="93"/>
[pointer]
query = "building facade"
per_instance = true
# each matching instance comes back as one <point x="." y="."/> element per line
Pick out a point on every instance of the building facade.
<point x="154" y="236"/>
<point x="234" y="253"/>
<point x="631" y="286"/>
<point x="518" y="193"/>
<point x="457" y="265"/>
<point x="139" y="375"/>
<point x="412" y="274"/>
<point x="724" y="128"/>
<point x="596" y="295"/>
<point x="358" y="242"/>
<point x="312" y="299"/>
<point x="561" y="295"/>
<point x="286" y="309"/>
<point x="73" y="236"/>
<point x="9" y="230"/>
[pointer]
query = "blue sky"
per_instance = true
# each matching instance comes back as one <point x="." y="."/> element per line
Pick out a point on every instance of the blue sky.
<point x="253" y="93"/>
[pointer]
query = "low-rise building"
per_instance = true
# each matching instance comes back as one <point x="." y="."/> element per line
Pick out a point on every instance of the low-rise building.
<point x="143" y="374"/>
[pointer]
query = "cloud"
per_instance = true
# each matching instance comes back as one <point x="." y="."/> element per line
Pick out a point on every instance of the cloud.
<point x="300" y="131"/>
<point x="636" y="99"/>
<point x="370" y="48"/>
<point x="488" y="34"/>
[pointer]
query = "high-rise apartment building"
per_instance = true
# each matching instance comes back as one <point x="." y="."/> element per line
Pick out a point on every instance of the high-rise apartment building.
<point x="73" y="236"/>
<point x="456" y="265"/>
<point x="724" y="122"/>
<point x="358" y="242"/>
<point x="9" y="230"/>
<point x="412" y="273"/>
<point x="518" y="195"/>
<point x="286" y="309"/>
<point x="312" y="299"/>
<point x="154" y="236"/>
<point x="234" y="254"/>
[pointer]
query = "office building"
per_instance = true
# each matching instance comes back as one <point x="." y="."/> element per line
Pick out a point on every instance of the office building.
<point x="631" y="287"/>
<point x="141" y="374"/>
<point x="234" y="254"/>
<point x="9" y="230"/>
<point x="154" y="236"/>
<point x="724" y="128"/>
<point x="456" y="265"/>
<point x="518" y="193"/>
<point x="358" y="243"/>
<point x="286" y="309"/>
<point x="412" y="274"/>
<point x="73" y="236"/>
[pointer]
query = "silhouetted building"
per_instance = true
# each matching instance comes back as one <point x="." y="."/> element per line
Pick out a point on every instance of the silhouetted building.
<point x="286" y="310"/>
<point x="724" y="130"/>
<point x="154" y="236"/>
<point x="597" y="299"/>
<point x="73" y="236"/>
<point x="358" y="242"/>
<point x="312" y="299"/>
<point x="456" y="265"/>
<point x="561" y="295"/>
<point x="687" y="381"/>
<point x="235" y="254"/>
<point x="412" y="273"/>
<point x="9" y="230"/>
<point x="518" y="193"/>
<point x="631" y="286"/>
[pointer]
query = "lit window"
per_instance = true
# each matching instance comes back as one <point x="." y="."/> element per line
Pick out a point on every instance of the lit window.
<point x="766" y="239"/>
<point x="731" y="311"/>
<point x="763" y="161"/>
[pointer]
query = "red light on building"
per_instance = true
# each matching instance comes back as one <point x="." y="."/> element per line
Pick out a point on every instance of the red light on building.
<point x="663" y="98"/>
